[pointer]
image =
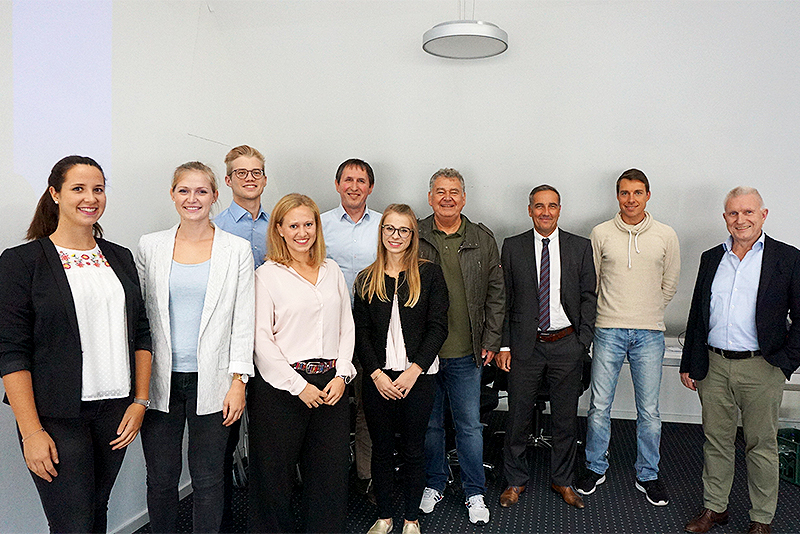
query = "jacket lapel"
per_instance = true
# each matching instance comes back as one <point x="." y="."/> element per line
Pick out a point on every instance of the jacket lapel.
<point x="60" y="276"/>
<point x="708" y="280"/>
<point x="529" y="255"/>
<point x="217" y="273"/>
<point x="564" y="259"/>
<point x="769" y="262"/>
<point x="163" y="268"/>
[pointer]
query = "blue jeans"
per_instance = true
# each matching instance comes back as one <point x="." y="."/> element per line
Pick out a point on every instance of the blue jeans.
<point x="645" y="352"/>
<point x="459" y="379"/>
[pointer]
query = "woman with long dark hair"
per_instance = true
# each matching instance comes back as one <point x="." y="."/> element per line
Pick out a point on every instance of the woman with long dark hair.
<point x="197" y="281"/>
<point x="303" y="354"/>
<point x="74" y="348"/>
<point x="400" y="312"/>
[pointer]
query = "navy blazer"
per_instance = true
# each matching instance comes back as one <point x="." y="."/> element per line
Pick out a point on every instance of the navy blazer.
<point x="578" y="289"/>
<point x="778" y="297"/>
<point x="39" y="326"/>
<point x="424" y="326"/>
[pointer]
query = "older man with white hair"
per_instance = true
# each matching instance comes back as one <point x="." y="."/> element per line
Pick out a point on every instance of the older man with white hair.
<point x="738" y="352"/>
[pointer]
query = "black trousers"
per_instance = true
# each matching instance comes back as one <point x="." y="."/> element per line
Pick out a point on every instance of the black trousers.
<point x="560" y="364"/>
<point x="162" y="440"/>
<point x="284" y="432"/>
<point x="77" y="499"/>
<point x="407" y="417"/>
<point x="230" y="449"/>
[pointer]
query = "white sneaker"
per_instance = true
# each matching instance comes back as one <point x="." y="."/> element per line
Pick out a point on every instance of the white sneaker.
<point x="478" y="513"/>
<point x="429" y="499"/>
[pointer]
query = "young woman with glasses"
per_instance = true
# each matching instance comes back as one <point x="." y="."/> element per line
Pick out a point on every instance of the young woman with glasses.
<point x="400" y="312"/>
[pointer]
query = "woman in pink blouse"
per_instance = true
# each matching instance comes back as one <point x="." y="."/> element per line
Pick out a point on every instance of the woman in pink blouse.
<point x="303" y="355"/>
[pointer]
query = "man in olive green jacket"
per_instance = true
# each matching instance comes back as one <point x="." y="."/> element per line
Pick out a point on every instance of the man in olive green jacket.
<point x="468" y="255"/>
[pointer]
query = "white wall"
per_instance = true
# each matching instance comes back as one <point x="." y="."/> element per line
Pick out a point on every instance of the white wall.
<point x="700" y="95"/>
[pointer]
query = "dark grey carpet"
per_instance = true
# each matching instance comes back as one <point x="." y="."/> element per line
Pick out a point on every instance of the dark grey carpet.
<point x="616" y="506"/>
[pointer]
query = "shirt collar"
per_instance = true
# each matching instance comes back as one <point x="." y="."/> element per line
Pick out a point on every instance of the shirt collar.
<point x="552" y="237"/>
<point x="459" y="232"/>
<point x="342" y="215"/>
<point x="238" y="212"/>
<point x="758" y="245"/>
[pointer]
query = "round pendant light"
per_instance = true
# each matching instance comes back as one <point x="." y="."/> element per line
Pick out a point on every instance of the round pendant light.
<point x="465" y="39"/>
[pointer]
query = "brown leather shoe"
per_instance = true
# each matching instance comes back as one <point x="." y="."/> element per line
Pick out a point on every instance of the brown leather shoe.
<point x="759" y="528"/>
<point x="510" y="496"/>
<point x="569" y="495"/>
<point x="705" y="521"/>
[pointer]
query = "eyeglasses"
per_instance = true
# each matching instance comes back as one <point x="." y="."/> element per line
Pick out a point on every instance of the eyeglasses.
<point x="389" y="230"/>
<point x="242" y="173"/>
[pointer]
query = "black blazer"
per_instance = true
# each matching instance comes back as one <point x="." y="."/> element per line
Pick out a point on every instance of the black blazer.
<point x="578" y="289"/>
<point x="424" y="326"/>
<point x="778" y="297"/>
<point x="39" y="326"/>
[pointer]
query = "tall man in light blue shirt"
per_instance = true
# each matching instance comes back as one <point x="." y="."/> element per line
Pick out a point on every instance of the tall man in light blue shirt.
<point x="351" y="240"/>
<point x="245" y="217"/>
<point x="737" y="354"/>
<point x="244" y="174"/>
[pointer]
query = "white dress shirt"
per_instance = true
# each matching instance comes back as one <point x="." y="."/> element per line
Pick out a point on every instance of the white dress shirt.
<point x="558" y="317"/>
<point x="297" y="321"/>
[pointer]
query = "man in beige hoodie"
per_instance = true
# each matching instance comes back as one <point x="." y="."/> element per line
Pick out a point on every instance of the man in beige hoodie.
<point x="637" y="260"/>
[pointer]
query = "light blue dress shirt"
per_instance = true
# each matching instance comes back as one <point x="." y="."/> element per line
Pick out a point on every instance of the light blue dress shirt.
<point x="732" y="323"/>
<point x="352" y="245"/>
<point x="238" y="221"/>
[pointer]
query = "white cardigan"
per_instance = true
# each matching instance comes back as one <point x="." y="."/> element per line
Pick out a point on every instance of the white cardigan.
<point x="227" y="325"/>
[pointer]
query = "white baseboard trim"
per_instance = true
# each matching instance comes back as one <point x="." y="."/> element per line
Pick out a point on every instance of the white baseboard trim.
<point x="142" y="519"/>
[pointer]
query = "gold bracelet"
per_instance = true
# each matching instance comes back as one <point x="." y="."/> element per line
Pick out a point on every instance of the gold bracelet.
<point x="380" y="372"/>
<point x="41" y="429"/>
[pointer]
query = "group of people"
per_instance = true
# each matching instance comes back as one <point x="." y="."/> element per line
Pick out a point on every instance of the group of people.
<point x="281" y="311"/>
<point x="565" y="293"/>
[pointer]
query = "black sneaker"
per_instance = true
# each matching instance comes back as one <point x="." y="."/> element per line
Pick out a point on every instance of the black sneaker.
<point x="654" y="490"/>
<point x="589" y="482"/>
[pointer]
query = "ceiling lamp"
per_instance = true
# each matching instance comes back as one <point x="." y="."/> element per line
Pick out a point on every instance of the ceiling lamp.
<point x="465" y="39"/>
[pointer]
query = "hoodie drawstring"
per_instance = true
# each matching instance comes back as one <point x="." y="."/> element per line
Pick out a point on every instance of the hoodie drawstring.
<point x="635" y="239"/>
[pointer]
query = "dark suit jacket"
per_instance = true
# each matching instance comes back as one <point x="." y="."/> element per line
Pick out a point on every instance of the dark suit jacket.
<point x="778" y="297"/>
<point x="424" y="326"/>
<point x="39" y="326"/>
<point x="578" y="289"/>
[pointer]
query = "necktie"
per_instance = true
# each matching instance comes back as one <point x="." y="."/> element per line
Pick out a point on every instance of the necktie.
<point x="544" y="288"/>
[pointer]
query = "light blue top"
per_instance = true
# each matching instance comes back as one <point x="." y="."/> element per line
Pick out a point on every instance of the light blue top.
<point x="187" y="293"/>
<point x="352" y="245"/>
<point x="238" y="221"/>
<point x="732" y="323"/>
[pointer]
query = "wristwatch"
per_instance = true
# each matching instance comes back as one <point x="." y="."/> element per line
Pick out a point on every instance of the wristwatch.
<point x="241" y="377"/>
<point x="143" y="402"/>
<point x="346" y="379"/>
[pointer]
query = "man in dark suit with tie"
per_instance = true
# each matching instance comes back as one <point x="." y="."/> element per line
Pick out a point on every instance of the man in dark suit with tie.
<point x="738" y="353"/>
<point x="549" y="325"/>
